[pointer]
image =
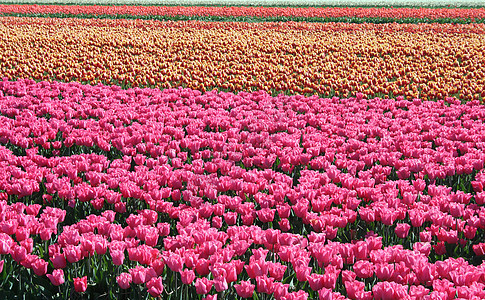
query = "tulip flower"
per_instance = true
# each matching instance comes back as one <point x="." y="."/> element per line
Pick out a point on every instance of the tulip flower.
<point x="203" y="285"/>
<point x="80" y="284"/>
<point x="57" y="277"/>
<point x="402" y="230"/>
<point x="124" y="280"/>
<point x="188" y="276"/>
<point x="244" y="289"/>
<point x="155" y="286"/>
<point x="40" y="267"/>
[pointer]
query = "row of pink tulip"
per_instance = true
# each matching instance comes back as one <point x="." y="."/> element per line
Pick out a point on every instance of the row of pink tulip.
<point x="219" y="167"/>
<point x="206" y="250"/>
<point x="347" y="170"/>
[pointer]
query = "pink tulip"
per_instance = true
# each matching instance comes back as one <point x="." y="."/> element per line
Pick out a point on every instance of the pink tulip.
<point x="138" y="275"/>
<point x="364" y="269"/>
<point x="203" y="285"/>
<point x="118" y="257"/>
<point x="124" y="280"/>
<point x="479" y="249"/>
<point x="57" y="277"/>
<point x="265" y="284"/>
<point x="80" y="284"/>
<point x="402" y="230"/>
<point x="73" y="253"/>
<point x="188" y="276"/>
<point x="40" y="267"/>
<point x="244" y="289"/>
<point x="155" y="286"/>
<point x="18" y="253"/>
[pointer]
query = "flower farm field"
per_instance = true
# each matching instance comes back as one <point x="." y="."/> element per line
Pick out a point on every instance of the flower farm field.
<point x="143" y="157"/>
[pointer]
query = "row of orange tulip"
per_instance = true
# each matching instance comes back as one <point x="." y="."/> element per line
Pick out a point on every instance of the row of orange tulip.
<point x="429" y="61"/>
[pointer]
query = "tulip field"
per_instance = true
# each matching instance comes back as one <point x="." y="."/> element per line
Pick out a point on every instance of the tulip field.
<point x="169" y="152"/>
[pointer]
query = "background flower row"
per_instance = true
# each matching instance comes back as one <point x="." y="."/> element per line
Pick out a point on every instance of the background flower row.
<point x="427" y="61"/>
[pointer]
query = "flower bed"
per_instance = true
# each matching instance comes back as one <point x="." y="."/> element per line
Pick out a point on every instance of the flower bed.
<point x="426" y="61"/>
<point x="180" y="193"/>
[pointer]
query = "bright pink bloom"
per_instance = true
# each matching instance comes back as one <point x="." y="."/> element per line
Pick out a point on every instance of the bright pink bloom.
<point x="155" y="286"/>
<point x="315" y="281"/>
<point x="302" y="272"/>
<point x="57" y="277"/>
<point x="202" y="267"/>
<point x="203" y="285"/>
<point x="277" y="271"/>
<point x="124" y="280"/>
<point x="40" y="267"/>
<point x="175" y="262"/>
<point x="220" y="283"/>
<point x="244" y="289"/>
<point x="73" y="253"/>
<point x="80" y="284"/>
<point x="354" y="289"/>
<point x="256" y="268"/>
<point x="265" y="284"/>
<point x="187" y="276"/>
<point x="118" y="257"/>
<point x="284" y="225"/>
<point x="158" y="265"/>
<point x="364" y="269"/>
<point x="138" y="274"/>
<point x="325" y="294"/>
<point x="18" y="253"/>
<point x="217" y="222"/>
<point x="479" y="249"/>
<point x="58" y="261"/>
<point x="402" y="230"/>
